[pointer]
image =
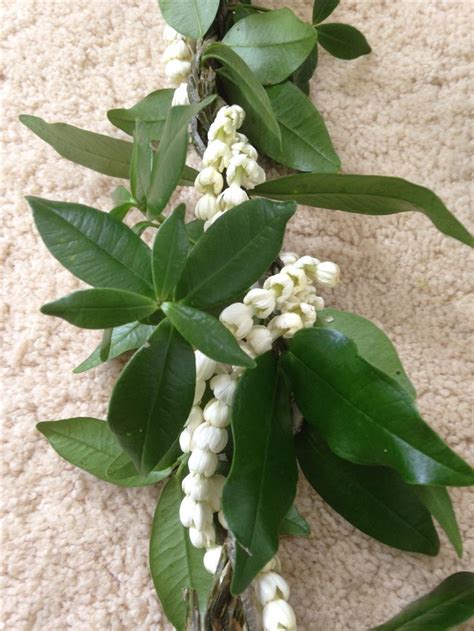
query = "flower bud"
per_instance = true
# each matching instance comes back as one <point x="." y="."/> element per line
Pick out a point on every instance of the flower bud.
<point x="230" y="197"/>
<point x="297" y="275"/>
<point x="271" y="586"/>
<point x="199" y="390"/>
<point x="202" y="462"/>
<point x="278" y="615"/>
<point x="306" y="311"/>
<point x="202" y="516"/>
<point x="204" y="538"/>
<point x="209" y="437"/>
<point x="217" y="413"/>
<point x="262" y="301"/>
<point x="288" y="258"/>
<point x="185" y="439"/>
<point x="217" y="154"/>
<point x="260" y="339"/>
<point x="237" y="317"/>
<point x="177" y="70"/>
<point x="244" y="171"/>
<point x="170" y="34"/>
<point x="186" y="511"/>
<point x="327" y="274"/>
<point x="180" y="95"/>
<point x="309" y="265"/>
<point x="206" y="206"/>
<point x="281" y="285"/>
<point x="244" y="148"/>
<point x="212" y="220"/>
<point x="177" y="50"/>
<point x="209" y="180"/>
<point x="195" y="417"/>
<point x="205" y="366"/>
<point x="223" y="387"/>
<point x="212" y="558"/>
<point x="234" y="113"/>
<point x="286" y="325"/>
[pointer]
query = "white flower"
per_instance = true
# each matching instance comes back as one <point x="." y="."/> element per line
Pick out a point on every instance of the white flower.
<point x="169" y="34"/>
<point x="278" y="615"/>
<point x="202" y="516"/>
<point x="271" y="586"/>
<point x="234" y="113"/>
<point x="273" y="564"/>
<point x="199" y="390"/>
<point x="212" y="558"/>
<point x="288" y="258"/>
<point x="309" y="265"/>
<point x="209" y="437"/>
<point x="230" y="197"/>
<point x="204" y="538"/>
<point x="260" y="339"/>
<point x="286" y="324"/>
<point x="198" y="487"/>
<point x="327" y="274"/>
<point x="186" y="511"/>
<point x="217" y="154"/>
<point x="281" y="285"/>
<point x="205" y="366"/>
<point x="206" y="207"/>
<point x="185" y="439"/>
<point x="237" y="317"/>
<point x="243" y="147"/>
<point x="306" y="311"/>
<point x="297" y="275"/>
<point x="212" y="220"/>
<point x="215" y="495"/>
<point x="217" y="413"/>
<point x="262" y="300"/>
<point x="180" y="95"/>
<point x="195" y="417"/>
<point x="177" y="70"/>
<point x="224" y="387"/>
<point x="228" y="119"/>
<point x="203" y="462"/>
<point x="244" y="171"/>
<point x="178" y="49"/>
<point x="209" y="180"/>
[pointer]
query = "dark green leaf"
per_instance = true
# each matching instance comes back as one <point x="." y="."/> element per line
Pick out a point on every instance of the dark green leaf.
<point x="437" y="501"/>
<point x="366" y="194"/>
<point x="94" y="246"/>
<point x="372" y="343"/>
<point x="294" y="524"/>
<point x="170" y="249"/>
<point x="343" y="41"/>
<point x="323" y="9"/>
<point x="234" y="252"/>
<point x="105" y="344"/>
<point x="188" y="176"/>
<point x="175" y="565"/>
<point x="373" y="499"/>
<point x="120" y="195"/>
<point x="207" y="334"/>
<point x="88" y="443"/>
<point x="120" y="212"/>
<point x="122" y="468"/>
<point x="141" y="162"/>
<point x="153" y="110"/>
<point x="125" y="338"/>
<point x="272" y="44"/>
<point x="169" y="160"/>
<point x="153" y="396"/>
<point x="194" y="230"/>
<point x="303" y="75"/>
<point x="262" y="481"/>
<point x="365" y="416"/>
<point x="104" y="154"/>
<point x="190" y="17"/>
<point x="255" y="95"/>
<point x="448" y="605"/>
<point x="100" y="308"/>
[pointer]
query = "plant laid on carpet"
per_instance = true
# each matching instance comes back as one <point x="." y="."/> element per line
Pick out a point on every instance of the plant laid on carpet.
<point x="239" y="375"/>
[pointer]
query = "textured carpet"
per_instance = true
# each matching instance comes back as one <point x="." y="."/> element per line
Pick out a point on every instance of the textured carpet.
<point x="75" y="549"/>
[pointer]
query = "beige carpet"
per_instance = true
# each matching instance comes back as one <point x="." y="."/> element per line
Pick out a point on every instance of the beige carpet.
<point x="75" y="549"/>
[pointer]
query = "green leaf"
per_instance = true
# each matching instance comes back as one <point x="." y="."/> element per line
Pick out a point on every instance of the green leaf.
<point x="272" y="44"/>
<point x="194" y="230"/>
<point x="365" y="194"/>
<point x="233" y="254"/>
<point x="141" y="162"/>
<point x="343" y="41"/>
<point x="303" y="75"/>
<point x="437" y="501"/>
<point x="153" y="396"/>
<point x="261" y="484"/>
<point x="294" y="524"/>
<point x="104" y="154"/>
<point x="169" y="160"/>
<point x="100" y="308"/>
<point x="104" y="346"/>
<point x="364" y="415"/>
<point x="125" y="338"/>
<point x="94" y="246"/>
<point x="323" y="9"/>
<point x="207" y="334"/>
<point x="373" y="499"/>
<point x="153" y="109"/>
<point x="188" y="176"/>
<point x="122" y="468"/>
<point x="448" y="605"/>
<point x="305" y="142"/>
<point x="190" y="17"/>
<point x="372" y="343"/>
<point x="175" y="565"/>
<point x="255" y="95"/>
<point x="170" y="249"/>
<point x="88" y="443"/>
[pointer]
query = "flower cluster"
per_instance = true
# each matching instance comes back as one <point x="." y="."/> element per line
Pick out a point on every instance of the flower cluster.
<point x="272" y="593"/>
<point x="177" y="57"/>
<point x="227" y="151"/>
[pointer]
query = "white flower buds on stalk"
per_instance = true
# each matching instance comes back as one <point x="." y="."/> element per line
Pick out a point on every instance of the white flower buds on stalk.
<point x="212" y="558"/>
<point x="285" y="325"/>
<point x="262" y="301"/>
<point x="203" y="462"/>
<point x="282" y="286"/>
<point x="238" y="318"/>
<point x="217" y="155"/>
<point x="180" y="96"/>
<point x="209" y="180"/>
<point x="177" y="56"/>
<point x="217" y="413"/>
<point x="327" y="274"/>
<point x="244" y="171"/>
<point x="223" y="387"/>
<point x="230" y="197"/>
<point x="271" y="586"/>
<point x="205" y="367"/>
<point x="279" y="615"/>
<point x="259" y="340"/>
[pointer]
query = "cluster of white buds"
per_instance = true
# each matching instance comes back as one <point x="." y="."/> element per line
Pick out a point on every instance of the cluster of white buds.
<point x="228" y="159"/>
<point x="272" y="593"/>
<point x="177" y="57"/>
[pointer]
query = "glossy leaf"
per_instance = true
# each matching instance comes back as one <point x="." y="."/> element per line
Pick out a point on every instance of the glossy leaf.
<point x="261" y="484"/>
<point x="303" y="75"/>
<point x="100" y="308"/>
<point x="104" y="154"/>
<point x="170" y="249"/>
<point x="323" y="9"/>
<point x="372" y="343"/>
<point x="437" y="501"/>
<point x="364" y="415"/>
<point x="207" y="334"/>
<point x="94" y="246"/>
<point x="373" y="499"/>
<point x="272" y="44"/>
<point x="153" y="109"/>
<point x="153" y="396"/>
<point x="294" y="524"/>
<point x="194" y="230"/>
<point x="175" y="565"/>
<point x="343" y="41"/>
<point x="255" y="96"/>
<point x="124" y="338"/>
<point x="141" y="162"/>
<point x="365" y="194"/>
<point x="445" y="607"/>
<point x="170" y="158"/>
<point x="234" y="253"/>
<point x="88" y="443"/>
<point x="190" y="17"/>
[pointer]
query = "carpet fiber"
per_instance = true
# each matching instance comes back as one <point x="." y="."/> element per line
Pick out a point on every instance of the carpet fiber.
<point x="75" y="549"/>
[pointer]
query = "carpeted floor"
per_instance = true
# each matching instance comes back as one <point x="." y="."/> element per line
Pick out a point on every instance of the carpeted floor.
<point x="75" y="549"/>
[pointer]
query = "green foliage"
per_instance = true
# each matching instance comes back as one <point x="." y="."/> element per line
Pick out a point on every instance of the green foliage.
<point x="141" y="163"/>
<point x="322" y="9"/>
<point x="170" y="249"/>
<point x="342" y="40"/>
<point x="153" y="110"/>
<point x="302" y="75"/>
<point x="437" y="501"/>
<point x="189" y="17"/>
<point x="294" y="524"/>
